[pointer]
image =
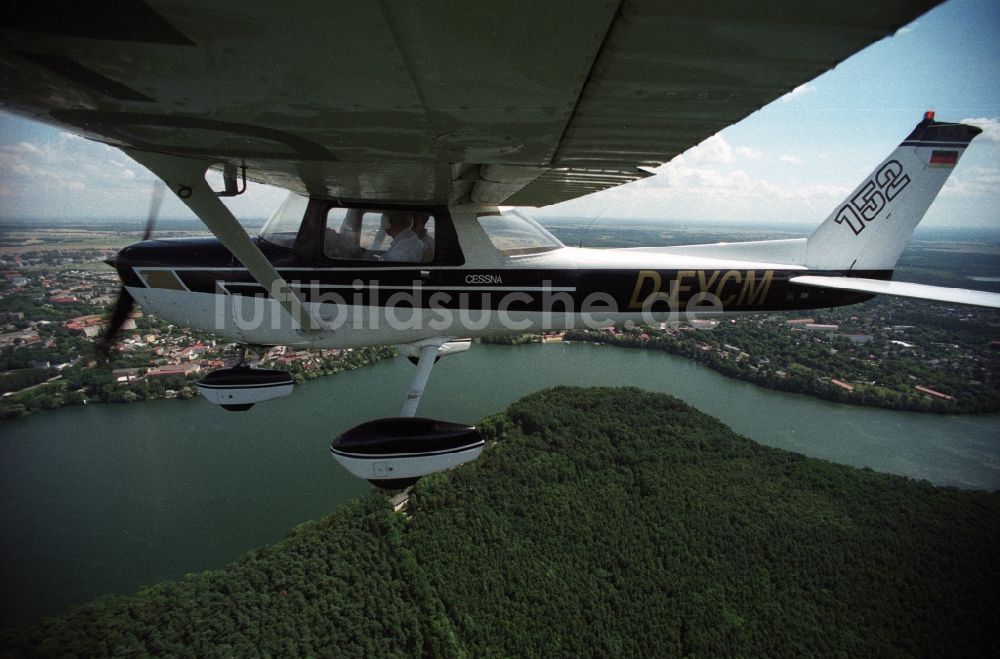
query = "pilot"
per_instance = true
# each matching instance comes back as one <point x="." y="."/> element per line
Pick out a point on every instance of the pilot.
<point x="406" y="246"/>
<point x="420" y="229"/>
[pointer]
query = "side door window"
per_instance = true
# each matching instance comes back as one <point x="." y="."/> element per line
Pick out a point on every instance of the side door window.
<point x="390" y="236"/>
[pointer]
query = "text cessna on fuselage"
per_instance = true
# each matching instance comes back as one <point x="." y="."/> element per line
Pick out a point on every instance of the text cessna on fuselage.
<point x="483" y="279"/>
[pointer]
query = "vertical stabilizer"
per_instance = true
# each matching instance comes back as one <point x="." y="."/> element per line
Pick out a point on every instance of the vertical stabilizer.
<point x="870" y="229"/>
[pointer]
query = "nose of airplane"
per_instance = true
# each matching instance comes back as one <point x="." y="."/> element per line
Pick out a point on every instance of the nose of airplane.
<point x="171" y="253"/>
<point x="122" y="256"/>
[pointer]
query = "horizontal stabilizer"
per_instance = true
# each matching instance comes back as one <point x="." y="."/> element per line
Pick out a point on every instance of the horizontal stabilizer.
<point x="902" y="289"/>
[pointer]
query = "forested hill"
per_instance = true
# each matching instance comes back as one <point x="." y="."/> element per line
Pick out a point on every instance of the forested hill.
<point x="604" y="522"/>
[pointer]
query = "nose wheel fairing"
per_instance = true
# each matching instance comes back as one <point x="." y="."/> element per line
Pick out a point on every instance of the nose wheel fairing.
<point x="239" y="388"/>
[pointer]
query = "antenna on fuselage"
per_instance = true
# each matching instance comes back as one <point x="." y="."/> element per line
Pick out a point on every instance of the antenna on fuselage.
<point x="589" y="226"/>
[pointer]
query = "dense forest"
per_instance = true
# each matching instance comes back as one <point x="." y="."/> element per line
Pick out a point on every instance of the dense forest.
<point x="598" y="522"/>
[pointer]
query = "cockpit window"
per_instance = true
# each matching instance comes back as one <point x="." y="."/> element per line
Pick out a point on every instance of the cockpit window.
<point x="392" y="236"/>
<point x="515" y="234"/>
<point x="283" y="226"/>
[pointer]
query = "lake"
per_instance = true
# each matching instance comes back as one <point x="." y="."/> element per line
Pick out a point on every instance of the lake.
<point x="109" y="498"/>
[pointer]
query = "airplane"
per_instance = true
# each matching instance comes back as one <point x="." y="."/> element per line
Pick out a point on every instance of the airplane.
<point x="411" y="135"/>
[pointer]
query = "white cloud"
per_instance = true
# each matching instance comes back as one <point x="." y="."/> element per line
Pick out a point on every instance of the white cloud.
<point x="747" y="152"/>
<point x="990" y="126"/>
<point x="798" y="91"/>
<point x="791" y="159"/>
<point x="974" y="182"/>
<point x="64" y="175"/>
<point x="714" y="150"/>
<point x="683" y="189"/>
<point x="61" y="163"/>
<point x="24" y="148"/>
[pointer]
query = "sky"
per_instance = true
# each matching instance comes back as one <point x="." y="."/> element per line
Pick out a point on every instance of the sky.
<point x="792" y="161"/>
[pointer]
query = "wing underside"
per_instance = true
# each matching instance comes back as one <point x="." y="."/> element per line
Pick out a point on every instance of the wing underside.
<point x="435" y="102"/>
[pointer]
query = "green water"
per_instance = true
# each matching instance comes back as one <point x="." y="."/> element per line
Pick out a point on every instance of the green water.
<point x="110" y="498"/>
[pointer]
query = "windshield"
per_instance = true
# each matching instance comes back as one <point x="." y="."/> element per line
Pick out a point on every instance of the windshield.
<point x="515" y="234"/>
<point x="283" y="226"/>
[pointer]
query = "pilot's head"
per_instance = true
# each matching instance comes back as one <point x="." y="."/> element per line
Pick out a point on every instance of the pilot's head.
<point x="420" y="222"/>
<point x="394" y="222"/>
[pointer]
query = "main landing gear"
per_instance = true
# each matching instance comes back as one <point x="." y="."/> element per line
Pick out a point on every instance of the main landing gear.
<point x="395" y="452"/>
<point x="389" y="453"/>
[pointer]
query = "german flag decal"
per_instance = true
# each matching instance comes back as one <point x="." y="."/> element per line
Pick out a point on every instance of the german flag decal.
<point x="944" y="158"/>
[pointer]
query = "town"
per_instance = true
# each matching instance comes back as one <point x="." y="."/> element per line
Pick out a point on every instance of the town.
<point x="887" y="352"/>
<point x="54" y="301"/>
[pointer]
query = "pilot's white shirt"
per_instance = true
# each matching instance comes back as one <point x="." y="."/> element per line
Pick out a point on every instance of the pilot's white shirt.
<point x="428" y="246"/>
<point x="405" y="247"/>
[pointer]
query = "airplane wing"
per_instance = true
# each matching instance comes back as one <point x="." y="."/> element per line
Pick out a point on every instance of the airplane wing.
<point x="515" y="102"/>
<point x="902" y="289"/>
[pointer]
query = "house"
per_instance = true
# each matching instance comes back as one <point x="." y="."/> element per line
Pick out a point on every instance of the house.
<point x="126" y="375"/>
<point x="173" y="370"/>
<point x="931" y="392"/>
<point x="92" y="331"/>
<point x="22" y="337"/>
<point x="399" y="501"/>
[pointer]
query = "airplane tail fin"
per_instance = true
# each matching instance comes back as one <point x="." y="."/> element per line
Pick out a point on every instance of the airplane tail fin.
<point x="870" y="229"/>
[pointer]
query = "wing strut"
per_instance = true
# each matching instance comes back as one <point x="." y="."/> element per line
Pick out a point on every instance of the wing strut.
<point x="186" y="178"/>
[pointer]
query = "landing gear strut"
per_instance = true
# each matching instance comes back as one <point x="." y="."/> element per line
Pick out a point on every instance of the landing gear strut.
<point x="424" y="354"/>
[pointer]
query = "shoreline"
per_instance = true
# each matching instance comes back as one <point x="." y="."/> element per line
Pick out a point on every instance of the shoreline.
<point x="836" y="393"/>
<point x="186" y="392"/>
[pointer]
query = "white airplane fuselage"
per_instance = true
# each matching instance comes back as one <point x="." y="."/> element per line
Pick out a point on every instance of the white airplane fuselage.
<point x="489" y="294"/>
